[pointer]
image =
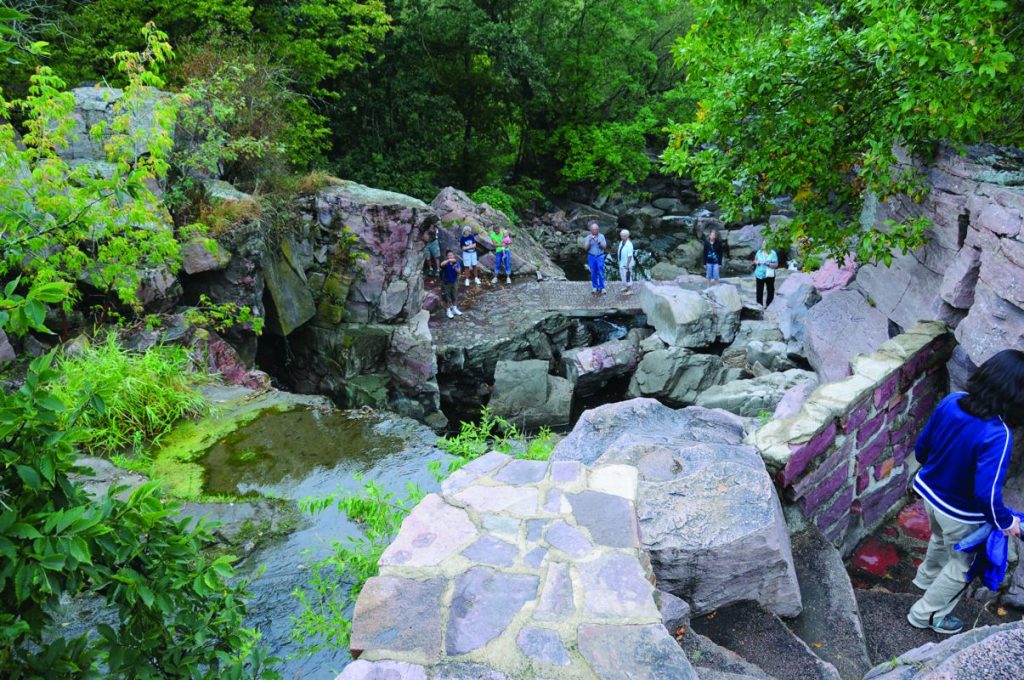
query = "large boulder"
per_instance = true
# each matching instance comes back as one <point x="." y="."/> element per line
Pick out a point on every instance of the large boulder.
<point x="690" y="318"/>
<point x="709" y="516"/>
<point x="589" y="368"/>
<point x="98" y="106"/>
<point x="525" y="394"/>
<point x="765" y="332"/>
<point x="839" y="328"/>
<point x="6" y="350"/>
<point x="389" y="229"/>
<point x="457" y="210"/>
<point x="993" y="323"/>
<point x="789" y="309"/>
<point x="678" y="376"/>
<point x="753" y="397"/>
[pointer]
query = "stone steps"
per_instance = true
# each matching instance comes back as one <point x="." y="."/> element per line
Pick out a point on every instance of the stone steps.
<point x="830" y="622"/>
<point x="762" y="639"/>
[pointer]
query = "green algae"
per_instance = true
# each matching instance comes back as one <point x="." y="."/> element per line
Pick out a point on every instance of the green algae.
<point x="174" y="462"/>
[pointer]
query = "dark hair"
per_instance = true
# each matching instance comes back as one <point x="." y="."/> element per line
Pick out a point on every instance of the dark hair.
<point x="996" y="388"/>
<point x="449" y="252"/>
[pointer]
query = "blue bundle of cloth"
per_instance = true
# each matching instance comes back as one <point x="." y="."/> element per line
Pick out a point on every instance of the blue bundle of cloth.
<point x="991" y="549"/>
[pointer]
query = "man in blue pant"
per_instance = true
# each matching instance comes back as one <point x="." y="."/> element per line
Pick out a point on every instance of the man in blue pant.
<point x="595" y="245"/>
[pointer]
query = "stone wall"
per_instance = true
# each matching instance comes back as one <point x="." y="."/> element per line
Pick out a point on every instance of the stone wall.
<point x="845" y="459"/>
<point x="970" y="272"/>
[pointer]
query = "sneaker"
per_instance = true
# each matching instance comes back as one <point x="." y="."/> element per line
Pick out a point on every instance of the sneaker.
<point x="467" y="283"/>
<point x="946" y="625"/>
<point x="457" y="311"/>
<point x="450" y="313"/>
<point x="508" y="280"/>
<point x="477" y="281"/>
<point x="494" y="280"/>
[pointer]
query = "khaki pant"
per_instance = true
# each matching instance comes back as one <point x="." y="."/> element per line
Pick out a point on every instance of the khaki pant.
<point x="943" y="569"/>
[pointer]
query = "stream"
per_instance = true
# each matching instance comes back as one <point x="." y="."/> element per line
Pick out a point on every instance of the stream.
<point x="303" y="453"/>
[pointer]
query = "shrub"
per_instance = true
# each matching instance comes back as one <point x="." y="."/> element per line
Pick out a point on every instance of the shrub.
<point x="174" y="612"/>
<point x="497" y="199"/>
<point x="136" y="397"/>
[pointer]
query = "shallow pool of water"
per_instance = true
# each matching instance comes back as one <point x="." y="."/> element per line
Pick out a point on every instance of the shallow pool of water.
<point x="302" y="454"/>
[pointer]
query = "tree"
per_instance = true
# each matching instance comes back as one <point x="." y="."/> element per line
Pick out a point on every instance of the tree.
<point x="65" y="223"/>
<point x="810" y="101"/>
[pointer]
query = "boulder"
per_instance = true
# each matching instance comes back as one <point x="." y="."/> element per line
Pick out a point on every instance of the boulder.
<point x="457" y="210"/>
<point x="770" y="356"/>
<point x="666" y="271"/>
<point x="526" y="395"/>
<point x="709" y="516"/>
<point x="788" y="310"/>
<point x="743" y="243"/>
<point x="291" y="300"/>
<point x="203" y="255"/>
<point x="765" y="332"/>
<point x="689" y="318"/>
<point x="960" y="279"/>
<point x="98" y="106"/>
<point x="831" y="276"/>
<point x="991" y="325"/>
<point x="905" y="292"/>
<point x="388" y="229"/>
<point x="753" y="397"/>
<point x="159" y="290"/>
<point x="669" y="205"/>
<point x="678" y="376"/>
<point x="588" y="368"/>
<point x="688" y="255"/>
<point x="986" y="652"/>
<point x="840" y="327"/>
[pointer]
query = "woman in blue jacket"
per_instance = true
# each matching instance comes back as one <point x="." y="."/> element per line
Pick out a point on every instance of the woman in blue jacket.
<point x="964" y="451"/>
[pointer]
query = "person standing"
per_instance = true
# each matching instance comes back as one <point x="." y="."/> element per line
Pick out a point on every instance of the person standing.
<point x="502" y="241"/>
<point x="626" y="261"/>
<point x="450" y="284"/>
<point x="713" y="255"/>
<point x="766" y="261"/>
<point x="469" y="259"/>
<point x="594" y="246"/>
<point x="433" y="249"/>
<point x="964" y="452"/>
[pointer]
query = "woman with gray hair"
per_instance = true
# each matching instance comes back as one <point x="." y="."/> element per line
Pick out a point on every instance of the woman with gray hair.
<point x="626" y="260"/>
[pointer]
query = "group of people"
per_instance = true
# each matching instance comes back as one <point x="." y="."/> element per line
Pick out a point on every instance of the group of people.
<point x="595" y="245"/>
<point x="450" y="267"/>
<point x="766" y="261"/>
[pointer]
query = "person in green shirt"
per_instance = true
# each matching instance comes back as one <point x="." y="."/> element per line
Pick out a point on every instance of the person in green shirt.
<point x="502" y="241"/>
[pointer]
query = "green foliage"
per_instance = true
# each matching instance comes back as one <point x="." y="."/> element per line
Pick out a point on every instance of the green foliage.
<point x="223" y="316"/>
<point x="608" y="154"/>
<point x="135" y="397"/>
<point x="177" y="613"/>
<point x="497" y="199"/>
<point x="65" y="223"/>
<point x="809" y="101"/>
<point x="324" y="622"/>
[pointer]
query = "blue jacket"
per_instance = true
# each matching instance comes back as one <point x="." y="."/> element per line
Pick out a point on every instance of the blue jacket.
<point x="964" y="461"/>
<point x="991" y="555"/>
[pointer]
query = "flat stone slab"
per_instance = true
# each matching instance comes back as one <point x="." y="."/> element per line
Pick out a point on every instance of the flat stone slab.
<point x="518" y="569"/>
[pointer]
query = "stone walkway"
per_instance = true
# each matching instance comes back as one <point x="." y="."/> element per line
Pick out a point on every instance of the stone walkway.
<point x="517" y="569"/>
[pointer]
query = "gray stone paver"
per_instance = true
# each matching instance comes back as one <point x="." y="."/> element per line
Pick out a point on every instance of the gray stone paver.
<point x="517" y="571"/>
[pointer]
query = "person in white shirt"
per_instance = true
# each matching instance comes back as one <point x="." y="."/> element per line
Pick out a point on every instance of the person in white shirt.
<point x="627" y="262"/>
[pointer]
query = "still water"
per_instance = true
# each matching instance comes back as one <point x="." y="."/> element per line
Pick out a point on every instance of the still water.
<point x="302" y="454"/>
